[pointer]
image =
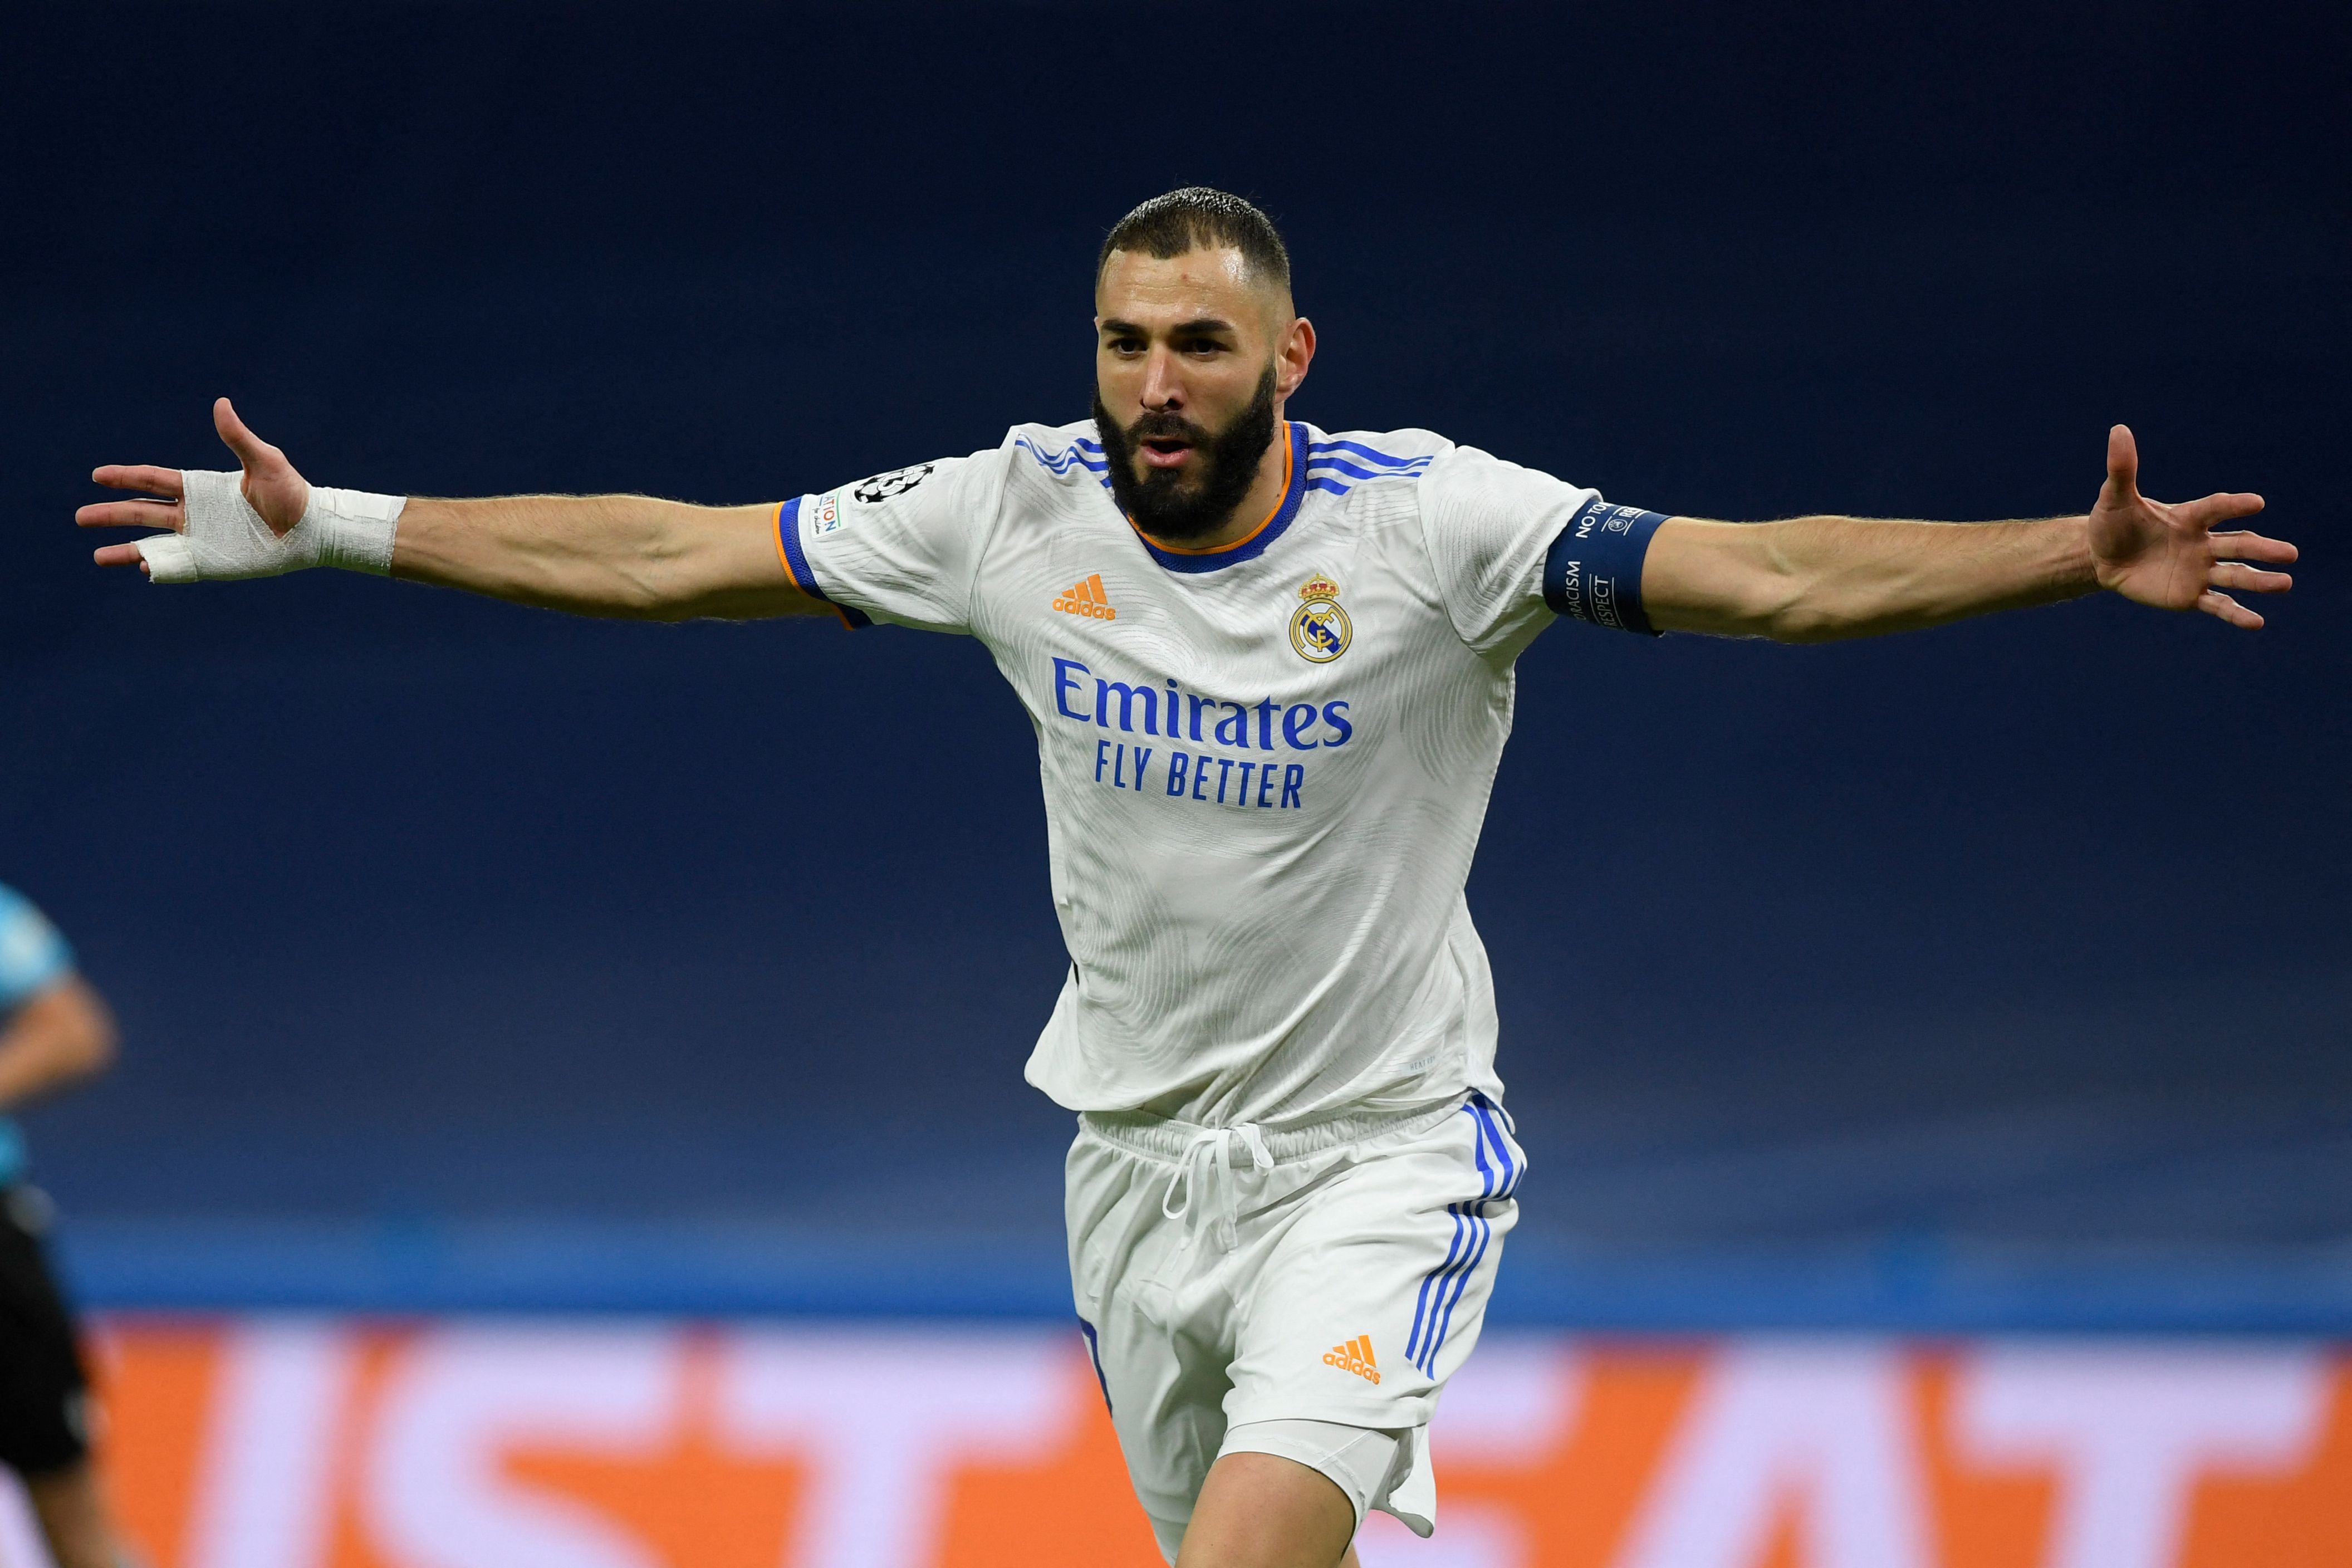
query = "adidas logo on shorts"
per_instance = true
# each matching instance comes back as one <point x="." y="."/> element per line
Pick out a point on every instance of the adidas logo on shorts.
<point x="1088" y="599"/>
<point x="1355" y="1356"/>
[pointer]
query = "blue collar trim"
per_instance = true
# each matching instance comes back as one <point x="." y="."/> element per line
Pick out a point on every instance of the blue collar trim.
<point x="1255" y="544"/>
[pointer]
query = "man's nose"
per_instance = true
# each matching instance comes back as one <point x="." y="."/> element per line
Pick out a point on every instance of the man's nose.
<point x="1163" y="386"/>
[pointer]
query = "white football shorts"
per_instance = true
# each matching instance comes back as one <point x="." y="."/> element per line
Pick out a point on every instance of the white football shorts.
<point x="1338" y="1273"/>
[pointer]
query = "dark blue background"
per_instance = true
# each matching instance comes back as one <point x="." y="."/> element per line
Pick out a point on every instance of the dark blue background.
<point x="1833" y="979"/>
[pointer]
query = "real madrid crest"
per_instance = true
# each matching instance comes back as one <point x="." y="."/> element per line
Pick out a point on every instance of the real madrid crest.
<point x="1319" y="631"/>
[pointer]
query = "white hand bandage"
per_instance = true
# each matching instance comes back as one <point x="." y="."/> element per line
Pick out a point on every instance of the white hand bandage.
<point x="225" y="538"/>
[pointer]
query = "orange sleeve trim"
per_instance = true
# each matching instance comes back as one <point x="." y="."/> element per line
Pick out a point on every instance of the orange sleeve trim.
<point x="785" y="559"/>
<point x="776" y="533"/>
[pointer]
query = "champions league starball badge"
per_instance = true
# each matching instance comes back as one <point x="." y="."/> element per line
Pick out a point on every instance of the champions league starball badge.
<point x="1320" y="630"/>
<point x="897" y="482"/>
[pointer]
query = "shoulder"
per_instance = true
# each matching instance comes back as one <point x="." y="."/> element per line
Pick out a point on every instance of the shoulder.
<point x="1340" y="461"/>
<point x="1448" y="485"/>
<point x="1058" y="454"/>
<point x="32" y="953"/>
<point x="1469" y="481"/>
<point x="16" y="911"/>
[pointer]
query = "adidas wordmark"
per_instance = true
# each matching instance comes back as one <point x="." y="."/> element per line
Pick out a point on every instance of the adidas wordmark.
<point x="1355" y="1356"/>
<point x="1088" y="598"/>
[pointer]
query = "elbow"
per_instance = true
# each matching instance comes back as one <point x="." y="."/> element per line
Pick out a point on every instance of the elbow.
<point x="1844" y="617"/>
<point x="92" y="1057"/>
<point x="96" y="1040"/>
<point x="95" y="1052"/>
<point x="661" y="584"/>
<point x="1805" y="589"/>
<point x="1807" y="623"/>
<point x="1780" y="610"/>
<point x="624" y="595"/>
<point x="1805" y="609"/>
<point x="1778" y="594"/>
<point x="101" y="1049"/>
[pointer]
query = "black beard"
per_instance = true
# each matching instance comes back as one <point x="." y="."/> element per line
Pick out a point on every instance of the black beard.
<point x="1227" y="461"/>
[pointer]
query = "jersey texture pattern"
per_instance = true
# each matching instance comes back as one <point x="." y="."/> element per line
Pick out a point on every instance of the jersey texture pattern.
<point x="1264" y="766"/>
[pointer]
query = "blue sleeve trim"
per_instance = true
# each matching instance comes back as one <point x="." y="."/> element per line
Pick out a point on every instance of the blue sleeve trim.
<point x="796" y="565"/>
<point x="788" y="539"/>
<point x="793" y="556"/>
<point x="1593" y="570"/>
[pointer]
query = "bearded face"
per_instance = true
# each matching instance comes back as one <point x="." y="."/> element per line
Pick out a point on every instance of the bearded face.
<point x="1195" y="477"/>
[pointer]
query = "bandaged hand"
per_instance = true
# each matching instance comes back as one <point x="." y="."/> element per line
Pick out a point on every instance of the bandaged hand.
<point x="257" y="521"/>
<point x="221" y="536"/>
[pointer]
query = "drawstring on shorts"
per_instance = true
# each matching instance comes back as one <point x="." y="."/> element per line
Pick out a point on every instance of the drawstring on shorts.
<point x="1212" y="1146"/>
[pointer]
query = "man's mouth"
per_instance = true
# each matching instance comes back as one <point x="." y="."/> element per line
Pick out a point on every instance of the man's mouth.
<point x="1165" y="451"/>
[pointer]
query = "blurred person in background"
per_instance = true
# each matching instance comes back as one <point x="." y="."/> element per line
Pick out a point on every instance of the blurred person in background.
<point x="55" y="1030"/>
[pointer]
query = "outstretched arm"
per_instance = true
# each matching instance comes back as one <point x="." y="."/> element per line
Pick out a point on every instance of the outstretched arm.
<point x="604" y="555"/>
<point x="59" y="1036"/>
<point x="599" y="555"/>
<point x="1813" y="579"/>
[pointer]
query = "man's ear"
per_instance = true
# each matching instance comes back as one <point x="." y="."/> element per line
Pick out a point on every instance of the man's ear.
<point x="1298" y="353"/>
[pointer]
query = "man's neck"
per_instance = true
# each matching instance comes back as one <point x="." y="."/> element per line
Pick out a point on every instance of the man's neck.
<point x="1265" y="494"/>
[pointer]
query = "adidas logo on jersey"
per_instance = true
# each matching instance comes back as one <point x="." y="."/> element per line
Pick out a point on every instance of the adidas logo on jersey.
<point x="1088" y="599"/>
<point x="1355" y="1356"/>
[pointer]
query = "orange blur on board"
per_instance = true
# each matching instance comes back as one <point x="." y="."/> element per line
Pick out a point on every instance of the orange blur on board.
<point x="328" y="1443"/>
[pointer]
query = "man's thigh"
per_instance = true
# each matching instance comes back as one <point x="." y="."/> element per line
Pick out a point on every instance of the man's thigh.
<point x="1377" y="1289"/>
<point x="1259" y="1511"/>
<point x="1155" y="1311"/>
<point x="1349" y="1301"/>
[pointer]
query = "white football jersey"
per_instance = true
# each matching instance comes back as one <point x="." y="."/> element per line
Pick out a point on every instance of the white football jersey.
<point x="1264" y="766"/>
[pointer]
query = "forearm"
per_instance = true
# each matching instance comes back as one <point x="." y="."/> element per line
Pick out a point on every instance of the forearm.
<point x="1815" y="579"/>
<point x="64" y="1034"/>
<point x="631" y="556"/>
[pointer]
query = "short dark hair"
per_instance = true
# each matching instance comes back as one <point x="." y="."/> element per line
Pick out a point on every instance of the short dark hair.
<point x="1197" y="217"/>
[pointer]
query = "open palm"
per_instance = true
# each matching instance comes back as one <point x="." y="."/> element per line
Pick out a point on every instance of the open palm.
<point x="2169" y="555"/>
<point x="271" y="486"/>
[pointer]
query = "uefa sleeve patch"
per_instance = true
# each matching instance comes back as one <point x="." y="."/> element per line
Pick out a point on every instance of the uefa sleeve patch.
<point x="793" y="552"/>
<point x="1593" y="570"/>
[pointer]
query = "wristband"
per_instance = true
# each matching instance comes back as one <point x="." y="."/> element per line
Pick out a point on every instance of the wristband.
<point x="223" y="537"/>
<point x="1593" y="570"/>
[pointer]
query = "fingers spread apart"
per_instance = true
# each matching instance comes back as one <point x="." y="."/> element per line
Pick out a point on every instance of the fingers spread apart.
<point x="2243" y="546"/>
<point x="2214" y="603"/>
<point x="2216" y="509"/>
<point x="2252" y="579"/>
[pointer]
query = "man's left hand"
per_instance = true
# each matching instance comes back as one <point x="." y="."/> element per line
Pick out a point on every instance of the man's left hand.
<point x="2170" y="556"/>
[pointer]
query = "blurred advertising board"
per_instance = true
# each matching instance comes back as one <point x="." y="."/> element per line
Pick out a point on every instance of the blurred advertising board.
<point x="326" y="1442"/>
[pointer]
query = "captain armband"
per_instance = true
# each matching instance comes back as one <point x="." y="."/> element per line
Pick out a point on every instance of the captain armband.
<point x="1593" y="570"/>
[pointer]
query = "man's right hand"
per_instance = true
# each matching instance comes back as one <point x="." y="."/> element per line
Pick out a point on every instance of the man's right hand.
<point x="277" y="494"/>
<point x="632" y="556"/>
